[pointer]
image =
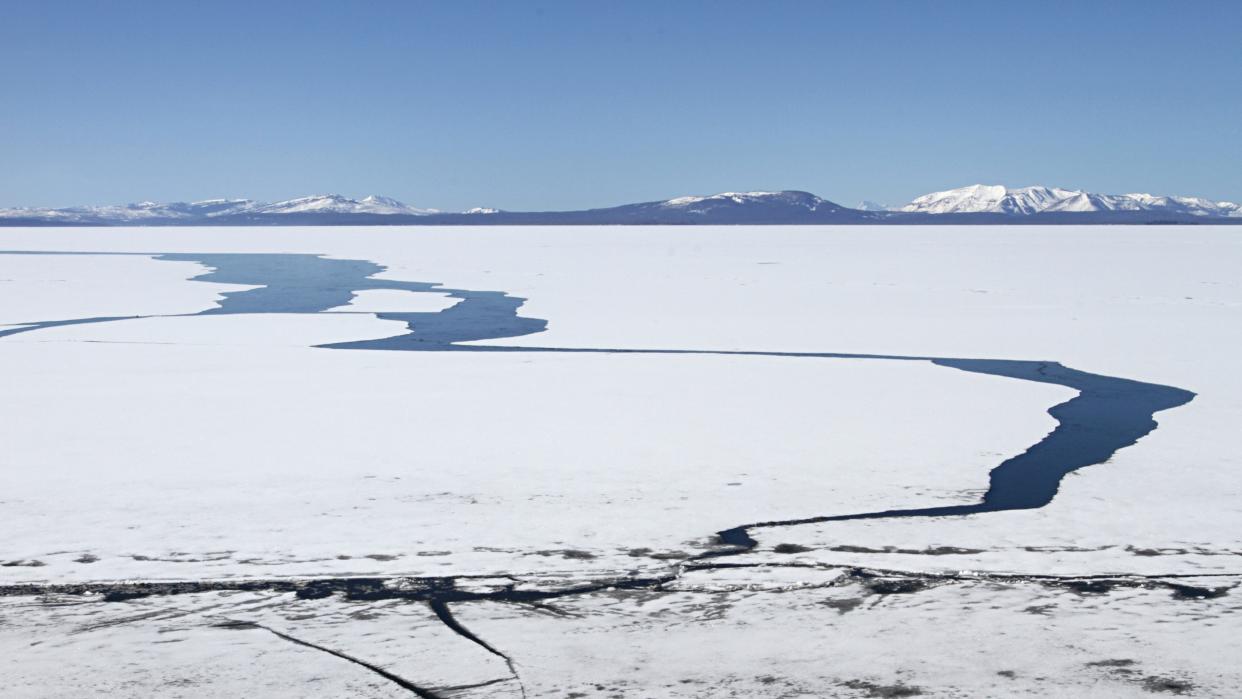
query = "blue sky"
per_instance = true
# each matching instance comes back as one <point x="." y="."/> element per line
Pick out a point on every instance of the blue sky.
<point x="551" y="105"/>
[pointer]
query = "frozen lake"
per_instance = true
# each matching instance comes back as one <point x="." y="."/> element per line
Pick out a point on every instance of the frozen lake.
<point x="756" y="452"/>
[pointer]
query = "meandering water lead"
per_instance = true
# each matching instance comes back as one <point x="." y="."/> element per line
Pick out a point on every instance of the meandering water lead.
<point x="1108" y="414"/>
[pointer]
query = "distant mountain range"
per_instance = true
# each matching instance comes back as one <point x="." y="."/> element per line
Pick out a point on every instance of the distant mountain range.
<point x="977" y="204"/>
<point x="213" y="210"/>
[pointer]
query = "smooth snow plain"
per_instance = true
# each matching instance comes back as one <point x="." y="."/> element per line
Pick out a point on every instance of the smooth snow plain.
<point x="170" y="448"/>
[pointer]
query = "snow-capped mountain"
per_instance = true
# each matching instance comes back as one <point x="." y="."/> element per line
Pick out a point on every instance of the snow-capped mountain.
<point x="734" y="200"/>
<point x="1022" y="201"/>
<point x="725" y="208"/>
<point x="981" y="198"/>
<point x="337" y="204"/>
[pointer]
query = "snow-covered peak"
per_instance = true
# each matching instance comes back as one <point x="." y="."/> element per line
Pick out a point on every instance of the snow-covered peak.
<point x="387" y="205"/>
<point x="318" y="202"/>
<point x="481" y="210"/>
<point x="335" y="203"/>
<point x="980" y="198"/>
<point x="785" y="198"/>
<point x="735" y="197"/>
<point x="1037" y="199"/>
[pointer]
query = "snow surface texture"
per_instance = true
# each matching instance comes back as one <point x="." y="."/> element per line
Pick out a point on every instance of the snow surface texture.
<point x="224" y="448"/>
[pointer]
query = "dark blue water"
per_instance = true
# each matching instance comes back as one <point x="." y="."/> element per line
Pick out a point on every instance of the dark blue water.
<point x="1109" y="413"/>
<point x="312" y="284"/>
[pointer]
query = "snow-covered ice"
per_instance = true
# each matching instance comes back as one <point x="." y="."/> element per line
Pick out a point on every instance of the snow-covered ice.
<point x="217" y="449"/>
<point x="395" y="300"/>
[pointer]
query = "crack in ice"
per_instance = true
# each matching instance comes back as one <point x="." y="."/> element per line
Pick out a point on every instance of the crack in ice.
<point x="395" y="679"/>
<point x="444" y="614"/>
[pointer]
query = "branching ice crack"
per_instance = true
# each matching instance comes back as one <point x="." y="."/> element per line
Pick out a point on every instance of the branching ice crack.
<point x="442" y="611"/>
<point x="395" y="679"/>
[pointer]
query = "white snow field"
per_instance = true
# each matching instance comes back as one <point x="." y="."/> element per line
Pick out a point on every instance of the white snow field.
<point x="206" y="505"/>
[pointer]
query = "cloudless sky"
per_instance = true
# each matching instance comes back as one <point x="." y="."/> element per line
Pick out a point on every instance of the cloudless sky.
<point x="558" y="105"/>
